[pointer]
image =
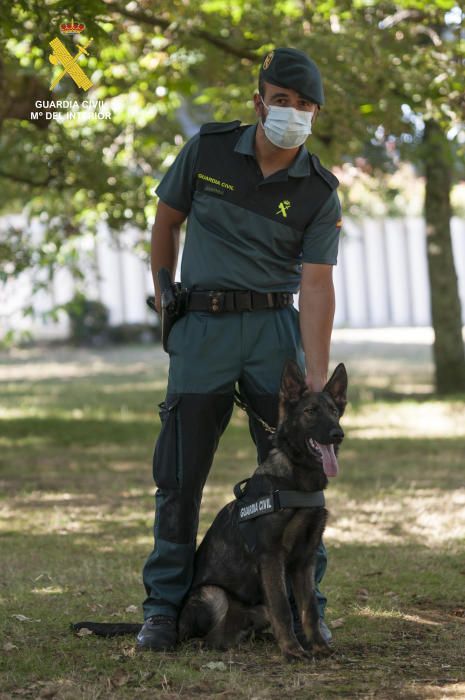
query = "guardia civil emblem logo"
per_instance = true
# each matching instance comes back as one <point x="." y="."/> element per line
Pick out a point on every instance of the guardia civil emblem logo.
<point x="267" y="61"/>
<point x="283" y="207"/>
<point x="61" y="56"/>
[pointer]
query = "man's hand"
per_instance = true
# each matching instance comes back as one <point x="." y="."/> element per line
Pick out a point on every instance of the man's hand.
<point x="315" y="383"/>
<point x="316" y="304"/>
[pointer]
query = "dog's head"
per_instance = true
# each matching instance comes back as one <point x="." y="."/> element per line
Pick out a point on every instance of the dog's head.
<point x="308" y="420"/>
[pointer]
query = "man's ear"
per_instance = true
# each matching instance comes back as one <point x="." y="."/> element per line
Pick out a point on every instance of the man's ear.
<point x="292" y="382"/>
<point x="337" y="387"/>
<point x="256" y="103"/>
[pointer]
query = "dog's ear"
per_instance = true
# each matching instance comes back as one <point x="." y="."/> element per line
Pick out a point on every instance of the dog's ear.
<point x="292" y="382"/>
<point x="337" y="387"/>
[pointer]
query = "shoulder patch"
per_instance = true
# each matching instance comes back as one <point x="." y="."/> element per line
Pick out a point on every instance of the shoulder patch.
<point x="219" y="127"/>
<point x="327" y="175"/>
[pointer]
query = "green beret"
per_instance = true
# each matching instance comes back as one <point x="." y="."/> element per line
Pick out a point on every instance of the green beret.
<point x="292" y="69"/>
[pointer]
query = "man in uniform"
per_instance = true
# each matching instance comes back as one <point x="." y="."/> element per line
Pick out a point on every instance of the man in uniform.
<point x="263" y="222"/>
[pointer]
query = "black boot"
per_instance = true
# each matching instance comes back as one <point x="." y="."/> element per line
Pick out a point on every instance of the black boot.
<point x="158" y="633"/>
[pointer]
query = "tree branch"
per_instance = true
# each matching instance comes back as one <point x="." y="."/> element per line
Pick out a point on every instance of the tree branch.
<point x="156" y="21"/>
<point x="26" y="180"/>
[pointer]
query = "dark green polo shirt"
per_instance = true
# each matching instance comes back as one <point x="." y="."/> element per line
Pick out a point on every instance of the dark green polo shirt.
<point x="244" y="231"/>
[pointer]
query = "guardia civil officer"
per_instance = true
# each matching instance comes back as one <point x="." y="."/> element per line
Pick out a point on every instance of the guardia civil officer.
<point x="263" y="221"/>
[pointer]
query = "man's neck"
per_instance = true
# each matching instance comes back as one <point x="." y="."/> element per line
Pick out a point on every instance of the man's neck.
<point x="269" y="157"/>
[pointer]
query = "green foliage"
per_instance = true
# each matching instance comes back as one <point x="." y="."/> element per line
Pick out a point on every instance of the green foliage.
<point x="88" y="318"/>
<point x="157" y="68"/>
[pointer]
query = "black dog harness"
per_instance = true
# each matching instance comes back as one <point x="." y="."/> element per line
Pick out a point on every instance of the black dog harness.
<point x="250" y="509"/>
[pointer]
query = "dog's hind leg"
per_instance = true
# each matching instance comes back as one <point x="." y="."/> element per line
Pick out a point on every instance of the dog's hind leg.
<point x="202" y="611"/>
<point x="204" y="615"/>
<point x="242" y="620"/>
<point x="221" y="620"/>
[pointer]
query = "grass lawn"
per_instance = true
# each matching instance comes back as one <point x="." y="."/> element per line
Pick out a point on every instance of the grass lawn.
<point x="77" y="429"/>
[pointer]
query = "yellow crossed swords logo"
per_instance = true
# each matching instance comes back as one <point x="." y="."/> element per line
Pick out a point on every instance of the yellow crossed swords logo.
<point x="69" y="63"/>
<point x="283" y="207"/>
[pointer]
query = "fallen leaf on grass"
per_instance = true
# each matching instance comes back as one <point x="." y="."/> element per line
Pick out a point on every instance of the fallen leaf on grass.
<point x="129" y="652"/>
<point x="132" y="609"/>
<point x="8" y="646"/>
<point x="215" y="666"/>
<point x="337" y="623"/>
<point x="84" y="632"/>
<point x="23" y="618"/>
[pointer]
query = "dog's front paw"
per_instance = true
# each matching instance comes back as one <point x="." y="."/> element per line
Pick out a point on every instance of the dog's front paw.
<point x="295" y="653"/>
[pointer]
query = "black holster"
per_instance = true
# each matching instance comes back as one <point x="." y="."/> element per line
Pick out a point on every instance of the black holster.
<point x="173" y="304"/>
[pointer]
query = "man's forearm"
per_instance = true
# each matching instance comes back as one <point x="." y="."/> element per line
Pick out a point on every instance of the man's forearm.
<point x="166" y="233"/>
<point x="316" y="306"/>
<point x="164" y="251"/>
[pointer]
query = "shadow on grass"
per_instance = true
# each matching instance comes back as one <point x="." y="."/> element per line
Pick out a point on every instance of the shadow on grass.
<point x="80" y="431"/>
<point x="387" y="646"/>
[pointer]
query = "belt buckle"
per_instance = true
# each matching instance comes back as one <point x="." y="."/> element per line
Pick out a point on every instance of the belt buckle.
<point x="243" y="300"/>
<point x="284" y="300"/>
<point x="216" y="300"/>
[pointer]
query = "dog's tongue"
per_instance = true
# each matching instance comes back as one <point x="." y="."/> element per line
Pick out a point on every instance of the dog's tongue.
<point x="330" y="464"/>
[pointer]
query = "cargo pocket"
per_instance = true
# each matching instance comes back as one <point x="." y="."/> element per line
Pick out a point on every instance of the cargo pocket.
<point x="167" y="452"/>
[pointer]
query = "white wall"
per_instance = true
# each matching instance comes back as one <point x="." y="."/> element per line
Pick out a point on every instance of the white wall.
<point x="381" y="279"/>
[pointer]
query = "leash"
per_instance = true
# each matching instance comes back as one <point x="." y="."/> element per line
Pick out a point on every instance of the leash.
<point x="241" y="403"/>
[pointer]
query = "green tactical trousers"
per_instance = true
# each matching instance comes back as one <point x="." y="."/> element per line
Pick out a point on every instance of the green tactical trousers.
<point x="209" y="354"/>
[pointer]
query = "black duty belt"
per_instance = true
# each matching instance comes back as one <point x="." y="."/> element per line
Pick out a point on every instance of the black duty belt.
<point x="275" y="501"/>
<point x="220" y="301"/>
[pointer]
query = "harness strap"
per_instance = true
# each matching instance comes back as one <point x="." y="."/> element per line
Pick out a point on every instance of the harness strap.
<point x="301" y="499"/>
<point x="270" y="503"/>
<point x="238" y="490"/>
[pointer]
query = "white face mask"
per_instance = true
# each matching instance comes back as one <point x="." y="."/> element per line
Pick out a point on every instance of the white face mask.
<point x="287" y="127"/>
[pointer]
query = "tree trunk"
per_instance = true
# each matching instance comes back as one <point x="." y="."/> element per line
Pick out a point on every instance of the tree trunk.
<point x="449" y="355"/>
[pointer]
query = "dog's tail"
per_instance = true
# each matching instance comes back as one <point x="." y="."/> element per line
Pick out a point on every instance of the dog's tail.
<point x="107" y="629"/>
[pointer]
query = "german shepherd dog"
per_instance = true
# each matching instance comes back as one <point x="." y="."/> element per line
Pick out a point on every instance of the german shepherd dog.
<point x="239" y="587"/>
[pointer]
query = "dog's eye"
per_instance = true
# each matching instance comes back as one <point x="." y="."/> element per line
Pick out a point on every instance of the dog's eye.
<point x="311" y="410"/>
